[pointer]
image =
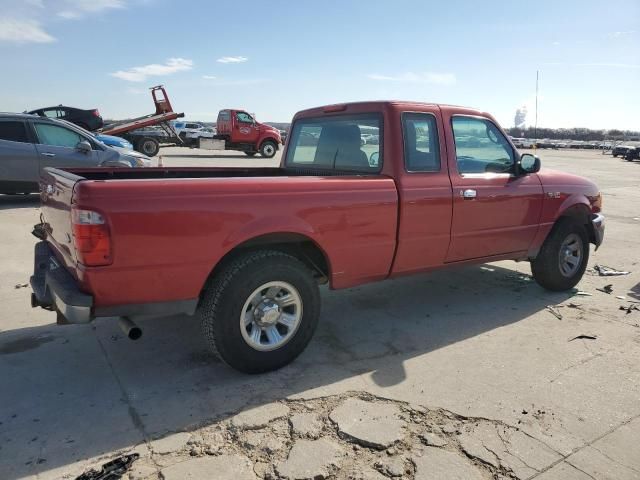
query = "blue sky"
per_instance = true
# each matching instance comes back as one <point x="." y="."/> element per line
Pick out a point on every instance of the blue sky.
<point x="274" y="58"/>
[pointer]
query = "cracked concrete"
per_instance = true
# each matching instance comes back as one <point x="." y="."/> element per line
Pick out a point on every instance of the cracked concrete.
<point x="474" y="366"/>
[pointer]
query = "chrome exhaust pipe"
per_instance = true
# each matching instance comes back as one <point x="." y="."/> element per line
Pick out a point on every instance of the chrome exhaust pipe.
<point x="130" y="329"/>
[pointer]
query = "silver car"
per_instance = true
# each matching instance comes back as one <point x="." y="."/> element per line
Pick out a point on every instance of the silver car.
<point x="29" y="143"/>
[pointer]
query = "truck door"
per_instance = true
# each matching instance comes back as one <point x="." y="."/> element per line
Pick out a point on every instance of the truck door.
<point x="245" y="130"/>
<point x="57" y="147"/>
<point x="495" y="211"/>
<point x="424" y="191"/>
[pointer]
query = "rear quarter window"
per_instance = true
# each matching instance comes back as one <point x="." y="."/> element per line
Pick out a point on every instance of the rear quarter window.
<point x="340" y="143"/>
<point x="13" y="131"/>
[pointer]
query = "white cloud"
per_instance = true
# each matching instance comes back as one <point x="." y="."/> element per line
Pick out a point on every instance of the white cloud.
<point x="232" y="59"/>
<point x="140" y="74"/>
<point x="411" y="77"/>
<point x="23" y="31"/>
<point x="74" y="9"/>
<point x="209" y="77"/>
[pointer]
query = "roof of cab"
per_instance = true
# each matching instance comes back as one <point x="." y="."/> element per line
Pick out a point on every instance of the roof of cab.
<point x="378" y="105"/>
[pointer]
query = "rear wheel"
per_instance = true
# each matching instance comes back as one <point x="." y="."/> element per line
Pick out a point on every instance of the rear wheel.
<point x="261" y="311"/>
<point x="563" y="257"/>
<point x="268" y="148"/>
<point x="149" y="146"/>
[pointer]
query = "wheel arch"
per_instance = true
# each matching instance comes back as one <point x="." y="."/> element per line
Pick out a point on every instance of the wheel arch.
<point x="268" y="138"/>
<point x="298" y="245"/>
<point x="580" y="212"/>
<point x="578" y="209"/>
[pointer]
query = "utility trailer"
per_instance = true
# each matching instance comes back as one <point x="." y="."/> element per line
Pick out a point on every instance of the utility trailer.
<point x="139" y="131"/>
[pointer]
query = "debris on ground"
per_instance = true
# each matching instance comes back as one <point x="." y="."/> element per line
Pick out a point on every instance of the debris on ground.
<point x="112" y="470"/>
<point x="605" y="271"/>
<point x="606" y="289"/>
<point x="554" y="311"/>
<point x="583" y="294"/>
<point x="621" y="297"/>
<point x="584" y="337"/>
<point x="577" y="306"/>
<point x="21" y="285"/>
<point x="630" y="308"/>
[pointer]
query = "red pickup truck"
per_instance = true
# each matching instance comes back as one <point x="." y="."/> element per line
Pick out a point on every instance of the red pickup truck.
<point x="365" y="192"/>
<point x="240" y="131"/>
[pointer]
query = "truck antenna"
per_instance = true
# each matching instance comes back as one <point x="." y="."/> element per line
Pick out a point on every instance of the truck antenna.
<point x="535" y="127"/>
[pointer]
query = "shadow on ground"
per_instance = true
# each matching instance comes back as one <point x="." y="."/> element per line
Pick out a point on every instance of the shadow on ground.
<point x="11" y="202"/>
<point x="76" y="392"/>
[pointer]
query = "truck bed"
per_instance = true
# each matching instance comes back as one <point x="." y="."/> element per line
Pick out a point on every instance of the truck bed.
<point x="170" y="227"/>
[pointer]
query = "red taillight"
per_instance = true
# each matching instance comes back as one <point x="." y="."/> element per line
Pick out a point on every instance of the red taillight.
<point x="91" y="238"/>
<point x="96" y="113"/>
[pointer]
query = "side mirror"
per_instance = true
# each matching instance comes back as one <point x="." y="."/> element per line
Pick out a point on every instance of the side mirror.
<point x="529" y="163"/>
<point x="84" y="146"/>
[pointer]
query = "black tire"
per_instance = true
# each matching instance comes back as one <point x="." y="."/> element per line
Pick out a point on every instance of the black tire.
<point x="250" y="154"/>
<point x="546" y="267"/>
<point x="223" y="302"/>
<point x="149" y="146"/>
<point x="268" y="149"/>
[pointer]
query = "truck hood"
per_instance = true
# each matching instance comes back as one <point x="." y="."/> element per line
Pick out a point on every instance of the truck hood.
<point x="274" y="131"/>
<point x="554" y="179"/>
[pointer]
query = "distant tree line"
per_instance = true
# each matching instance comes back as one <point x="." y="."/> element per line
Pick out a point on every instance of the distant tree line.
<point x="584" y="134"/>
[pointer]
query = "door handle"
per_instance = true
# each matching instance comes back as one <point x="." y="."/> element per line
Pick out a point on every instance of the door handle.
<point x="48" y="154"/>
<point x="468" y="194"/>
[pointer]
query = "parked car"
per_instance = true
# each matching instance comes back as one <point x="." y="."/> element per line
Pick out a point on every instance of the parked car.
<point x="113" y="141"/>
<point x="620" y="150"/>
<point x="248" y="249"/>
<point x="28" y="144"/>
<point x="188" y="127"/>
<point x="632" y="154"/>
<point x="521" y="142"/>
<point x="87" y="119"/>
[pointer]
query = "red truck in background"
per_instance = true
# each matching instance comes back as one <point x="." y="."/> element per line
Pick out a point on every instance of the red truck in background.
<point x="365" y="192"/>
<point x="239" y="131"/>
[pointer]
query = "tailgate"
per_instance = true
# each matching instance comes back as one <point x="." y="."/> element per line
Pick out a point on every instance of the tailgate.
<point x="56" y="192"/>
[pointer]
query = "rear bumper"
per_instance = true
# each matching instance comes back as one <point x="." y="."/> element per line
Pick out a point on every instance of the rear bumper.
<point x="597" y="222"/>
<point x="54" y="287"/>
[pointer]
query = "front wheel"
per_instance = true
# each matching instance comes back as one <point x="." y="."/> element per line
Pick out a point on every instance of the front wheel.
<point x="261" y="311"/>
<point x="268" y="149"/>
<point x="563" y="257"/>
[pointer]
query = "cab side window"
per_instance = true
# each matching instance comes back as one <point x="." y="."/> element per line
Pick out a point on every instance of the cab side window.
<point x="244" y="117"/>
<point x="421" y="147"/>
<point x="481" y="147"/>
<point x="57" y="136"/>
